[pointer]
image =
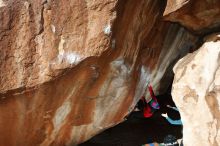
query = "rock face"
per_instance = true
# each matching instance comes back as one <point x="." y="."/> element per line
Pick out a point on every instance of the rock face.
<point x="70" y="69"/>
<point x="199" y="16"/>
<point x="196" y="91"/>
<point x="196" y="84"/>
<point x="41" y="38"/>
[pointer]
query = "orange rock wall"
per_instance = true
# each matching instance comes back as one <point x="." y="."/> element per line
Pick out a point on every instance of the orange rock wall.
<point x="71" y="69"/>
<point x="39" y="39"/>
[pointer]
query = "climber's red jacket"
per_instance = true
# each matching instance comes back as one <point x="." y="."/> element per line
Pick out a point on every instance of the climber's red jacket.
<point x="147" y="111"/>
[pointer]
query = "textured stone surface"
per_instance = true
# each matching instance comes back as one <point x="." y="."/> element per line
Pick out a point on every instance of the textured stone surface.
<point x="39" y="38"/>
<point x="200" y="16"/>
<point x="196" y="92"/>
<point x="70" y="69"/>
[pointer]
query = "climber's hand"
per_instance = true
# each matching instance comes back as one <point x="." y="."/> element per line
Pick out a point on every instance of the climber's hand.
<point x="164" y="115"/>
<point x="169" y="106"/>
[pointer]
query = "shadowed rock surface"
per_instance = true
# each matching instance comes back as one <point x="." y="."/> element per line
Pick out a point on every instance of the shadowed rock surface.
<point x="136" y="130"/>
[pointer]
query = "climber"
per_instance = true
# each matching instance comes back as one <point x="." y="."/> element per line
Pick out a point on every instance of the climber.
<point x="146" y="108"/>
<point x="149" y="106"/>
<point x="173" y="122"/>
<point x="153" y="100"/>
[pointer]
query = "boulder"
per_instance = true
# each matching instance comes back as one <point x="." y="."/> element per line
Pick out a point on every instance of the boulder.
<point x="40" y="39"/>
<point x="70" y="69"/>
<point x="199" y="16"/>
<point x="196" y="92"/>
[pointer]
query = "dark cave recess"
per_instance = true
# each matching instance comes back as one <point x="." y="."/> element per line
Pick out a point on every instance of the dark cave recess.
<point x="136" y="130"/>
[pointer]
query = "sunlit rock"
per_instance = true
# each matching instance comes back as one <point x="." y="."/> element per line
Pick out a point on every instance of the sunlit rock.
<point x="199" y="16"/>
<point x="196" y="92"/>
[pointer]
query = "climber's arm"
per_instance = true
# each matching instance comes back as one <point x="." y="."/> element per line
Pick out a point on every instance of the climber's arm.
<point x="173" y="122"/>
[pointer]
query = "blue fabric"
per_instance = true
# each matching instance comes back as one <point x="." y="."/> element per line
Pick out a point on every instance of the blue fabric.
<point x="174" y="122"/>
<point x="151" y="144"/>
